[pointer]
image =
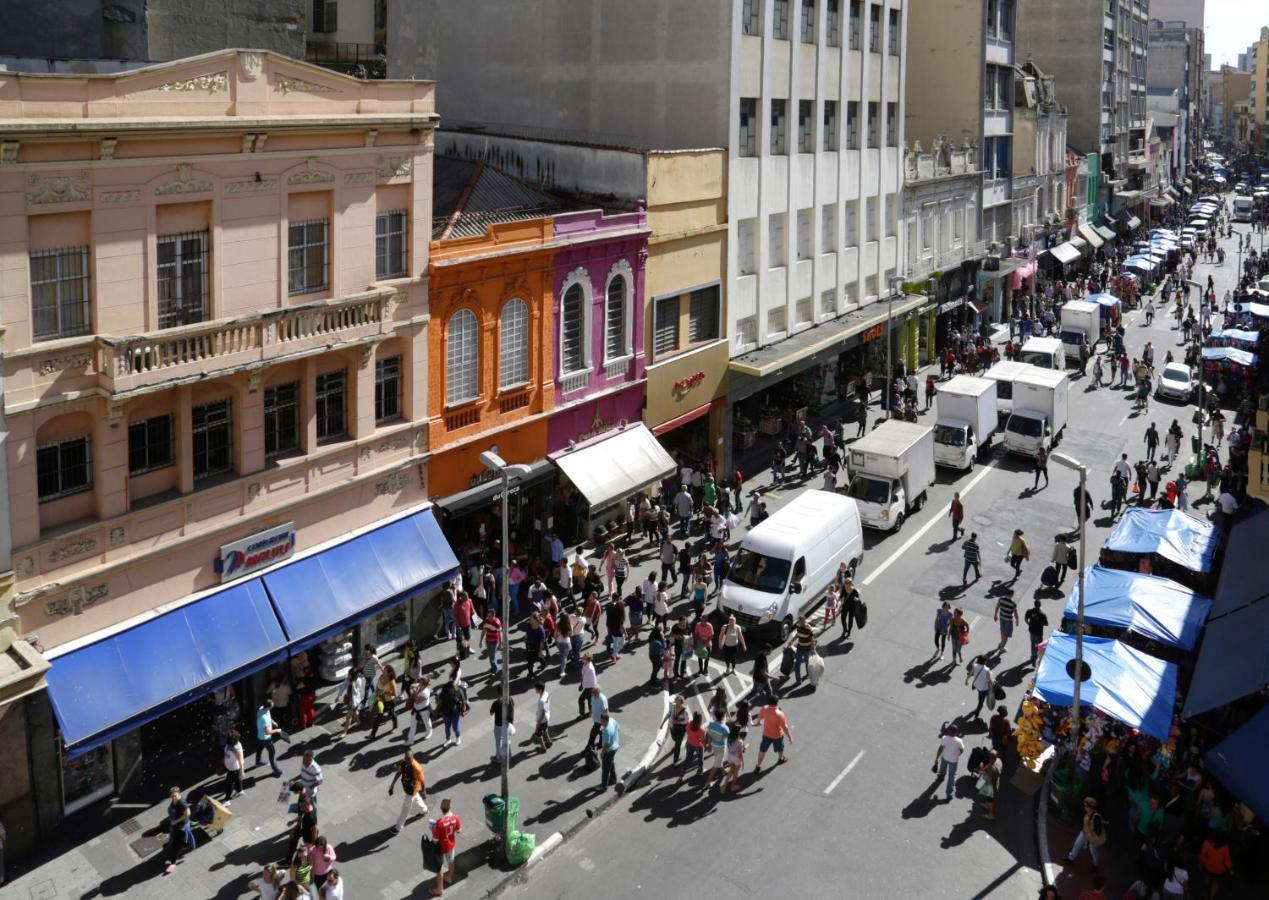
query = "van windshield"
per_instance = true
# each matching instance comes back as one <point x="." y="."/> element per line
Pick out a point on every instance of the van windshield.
<point x="1036" y="358"/>
<point x="759" y="572"/>
<point x="951" y="435"/>
<point x="870" y="490"/>
<point x="1004" y="390"/>
<point x="1025" y="426"/>
<point x="1072" y="337"/>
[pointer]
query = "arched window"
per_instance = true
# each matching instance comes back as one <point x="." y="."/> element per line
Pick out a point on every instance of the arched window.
<point x="573" y="331"/>
<point x="513" y="345"/>
<point x="461" y="382"/>
<point x="616" y="315"/>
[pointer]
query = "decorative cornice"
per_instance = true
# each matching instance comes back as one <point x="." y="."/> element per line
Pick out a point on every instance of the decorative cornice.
<point x="73" y="548"/>
<point x="108" y="148"/>
<point x="621" y="267"/>
<point x="250" y="65"/>
<point x="366" y="177"/>
<point x="127" y="196"/>
<point x="184" y="183"/>
<point x="58" y="189"/>
<point x="287" y="85"/>
<point x="211" y="83"/>
<point x="8" y="152"/>
<point x="251" y="186"/>
<point x="62" y="363"/>
<point x="395" y="167"/>
<point x="311" y="175"/>
<point x="516" y="287"/>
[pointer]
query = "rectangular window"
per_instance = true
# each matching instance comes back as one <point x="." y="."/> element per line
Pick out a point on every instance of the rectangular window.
<point x="852" y="124"/>
<point x="1004" y="87"/>
<point x="874" y="127"/>
<point x="281" y="419"/>
<point x="388" y="389"/>
<point x="213" y="438"/>
<point x="850" y="226"/>
<point x="830" y="126"/>
<point x="927" y="233"/>
<point x="751" y="15"/>
<point x="182" y="277"/>
<point x="63" y="468"/>
<point x="870" y="219"/>
<point x="828" y="227"/>
<point x="808" y="21"/>
<point x="870" y="286"/>
<point x="892" y="215"/>
<point x="746" y="246"/>
<point x="856" y="24"/>
<point x="703" y="318"/>
<point x="874" y="28"/>
<point x="828" y="302"/>
<point x="833" y="23"/>
<point x="780" y="19"/>
<point x="329" y="395"/>
<point x="325" y="16"/>
<point x="1006" y="20"/>
<point x="59" y="293"/>
<point x="850" y="294"/>
<point x="806" y="126"/>
<point x="779" y="140"/>
<point x="747" y="331"/>
<point x="150" y="445"/>
<point x="892" y="124"/>
<point x="993" y="13"/>
<point x="893" y="41"/>
<point x="390" y="244"/>
<point x="665" y="327"/>
<point x="777" y="320"/>
<point x="803" y="311"/>
<point x="748" y="144"/>
<point x="308" y="260"/>
<point x="804" y="233"/>
<point x="989" y="88"/>
<point x="776" y="253"/>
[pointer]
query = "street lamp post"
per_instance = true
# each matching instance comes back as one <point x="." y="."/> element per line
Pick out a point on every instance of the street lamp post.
<point x="896" y="284"/>
<point x="1069" y="462"/>
<point x="496" y="463"/>
<point x="1202" y="390"/>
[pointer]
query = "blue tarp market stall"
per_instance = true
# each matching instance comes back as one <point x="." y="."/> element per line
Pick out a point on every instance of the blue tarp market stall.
<point x="1238" y="762"/>
<point x="1129" y="686"/>
<point x="1229" y="354"/>
<point x="1171" y="543"/>
<point x="1156" y="608"/>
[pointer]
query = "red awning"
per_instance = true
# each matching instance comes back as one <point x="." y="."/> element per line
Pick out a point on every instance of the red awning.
<point x="686" y="417"/>
<point x="978" y="306"/>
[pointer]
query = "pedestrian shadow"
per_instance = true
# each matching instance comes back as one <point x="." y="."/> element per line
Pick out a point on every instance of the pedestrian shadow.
<point x="126" y="881"/>
<point x="1013" y="676"/>
<point x="472" y="775"/>
<point x="365" y="845"/>
<point x="970" y="724"/>
<point x="553" y="809"/>
<point x="681" y="802"/>
<point x="838" y="646"/>
<point x="927" y="674"/>
<point x="560" y="764"/>
<point x="961" y="831"/>
<point x="369" y="758"/>
<point x="952" y="591"/>
<point x="923" y="804"/>
<point x="940" y="546"/>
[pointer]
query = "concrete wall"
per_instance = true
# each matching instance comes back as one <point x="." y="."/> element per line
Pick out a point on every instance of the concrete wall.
<point x="945" y="70"/>
<point x="653" y="74"/>
<point x="52" y="28"/>
<point x="1065" y="40"/>
<point x="1166" y="62"/>
<point x="1190" y="12"/>
<point x="412" y="39"/>
<point x="180" y="28"/>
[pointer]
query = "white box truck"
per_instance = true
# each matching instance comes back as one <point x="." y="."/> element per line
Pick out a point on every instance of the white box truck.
<point x="1045" y="352"/>
<point x="1004" y="373"/>
<point x="1081" y="323"/>
<point x="966" y="409"/>
<point x="893" y="468"/>
<point x="786" y="561"/>
<point x="1040" y="402"/>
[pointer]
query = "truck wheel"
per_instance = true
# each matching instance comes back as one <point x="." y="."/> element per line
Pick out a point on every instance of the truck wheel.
<point x="898" y="521"/>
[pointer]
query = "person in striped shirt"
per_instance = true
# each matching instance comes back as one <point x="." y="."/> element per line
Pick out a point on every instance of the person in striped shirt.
<point x="1007" y="615"/>
<point x="973" y="558"/>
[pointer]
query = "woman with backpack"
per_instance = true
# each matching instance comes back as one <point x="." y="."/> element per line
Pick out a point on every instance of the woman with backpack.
<point x="1092" y="834"/>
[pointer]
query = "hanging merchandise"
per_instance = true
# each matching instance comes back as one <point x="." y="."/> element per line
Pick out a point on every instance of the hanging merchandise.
<point x="336" y="656"/>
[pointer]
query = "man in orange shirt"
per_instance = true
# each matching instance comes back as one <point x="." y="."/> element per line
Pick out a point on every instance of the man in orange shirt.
<point x="410" y="773"/>
<point x="775" y="728"/>
<point x="445" y="832"/>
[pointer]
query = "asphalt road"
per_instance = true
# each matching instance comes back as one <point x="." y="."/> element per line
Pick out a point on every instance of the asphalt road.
<point x="852" y="813"/>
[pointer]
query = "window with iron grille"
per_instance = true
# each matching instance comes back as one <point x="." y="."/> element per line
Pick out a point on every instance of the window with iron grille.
<point x="833" y="24"/>
<point x="330" y="394"/>
<point x="513" y="345"/>
<point x="615" y="320"/>
<point x="150" y="445"/>
<point x="63" y="468"/>
<point x="390" y="244"/>
<point x="212" y="427"/>
<point x="830" y="125"/>
<point x="780" y="19"/>
<point x="59" y="293"/>
<point x="665" y="325"/>
<point x="874" y="28"/>
<point x="808" y="21"/>
<point x="461" y="358"/>
<point x="892" y="124"/>
<point x="893" y="41"/>
<point x="182" y="276"/>
<point x="573" y="331"/>
<point x="874" y="127"/>
<point x="852" y="124"/>
<point x="388" y="389"/>
<point x="748" y="144"/>
<point x="779" y="141"/>
<point x="703" y="314"/>
<point x="856" y="24"/>
<point x="752" y="17"/>
<point x="281" y="419"/>
<point x="806" y="126"/>
<point x="325" y="16"/>
<point x="308" y="261"/>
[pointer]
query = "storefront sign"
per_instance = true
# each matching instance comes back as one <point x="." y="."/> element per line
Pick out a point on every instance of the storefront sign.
<point x="484" y="476"/>
<point x="873" y="333"/>
<point x="683" y="385"/>
<point x="264" y="548"/>
<point x="597" y="427"/>
<point x="951" y="305"/>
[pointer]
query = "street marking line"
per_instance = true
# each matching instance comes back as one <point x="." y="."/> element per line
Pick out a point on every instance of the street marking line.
<point x="843" y="773"/>
<point x="907" y="545"/>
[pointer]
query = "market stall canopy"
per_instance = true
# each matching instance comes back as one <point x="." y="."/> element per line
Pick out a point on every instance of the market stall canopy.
<point x="1177" y="536"/>
<point x="1235" y="334"/>
<point x="1233" y="661"/>
<point x="1129" y="686"/>
<point x="1106" y="233"/>
<point x="1238" y="762"/>
<point x="615" y="465"/>
<point x="1243" y="580"/>
<point x="113" y="686"/>
<point x="1104" y="299"/>
<point x="1065" y="253"/>
<point x="1090" y="234"/>
<point x="1153" y="607"/>
<point x="1133" y="222"/>
<point x="1230" y="354"/>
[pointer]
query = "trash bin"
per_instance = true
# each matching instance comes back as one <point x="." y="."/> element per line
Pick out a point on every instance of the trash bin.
<point x="495" y="811"/>
<point x="1194" y="444"/>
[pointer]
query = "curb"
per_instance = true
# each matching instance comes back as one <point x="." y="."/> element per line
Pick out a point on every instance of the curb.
<point x="1048" y="871"/>
<point x="653" y="751"/>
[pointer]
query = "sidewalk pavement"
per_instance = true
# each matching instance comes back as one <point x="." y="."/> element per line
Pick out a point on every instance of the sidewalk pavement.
<point x="556" y="791"/>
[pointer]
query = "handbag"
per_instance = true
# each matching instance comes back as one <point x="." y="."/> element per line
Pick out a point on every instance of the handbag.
<point x="998" y="692"/>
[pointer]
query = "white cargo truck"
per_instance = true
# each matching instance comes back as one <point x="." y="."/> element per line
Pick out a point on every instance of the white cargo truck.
<point x="1041" y="400"/>
<point x="966" y="409"/>
<point x="1045" y="352"/>
<point x="1004" y="373"/>
<point x="1081" y="323"/>
<point x="893" y="468"/>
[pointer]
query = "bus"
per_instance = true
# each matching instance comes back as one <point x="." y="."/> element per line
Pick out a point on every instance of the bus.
<point x="1243" y="209"/>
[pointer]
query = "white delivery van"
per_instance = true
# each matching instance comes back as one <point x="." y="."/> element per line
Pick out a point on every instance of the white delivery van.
<point x="1040" y="404"/>
<point x="786" y="561"/>
<point x="1244" y="208"/>
<point x="966" y="420"/>
<point x="1081" y="323"/>
<point x="892" y="468"/>
<point x="1045" y="352"/>
<point x="1004" y="373"/>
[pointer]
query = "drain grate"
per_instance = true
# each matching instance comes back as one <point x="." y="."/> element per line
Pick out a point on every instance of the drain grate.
<point x="145" y="846"/>
<point x="132" y="826"/>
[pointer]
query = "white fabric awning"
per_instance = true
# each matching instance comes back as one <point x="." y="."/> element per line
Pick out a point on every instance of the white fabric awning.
<point x="1134" y="222"/>
<point x="1065" y="253"/>
<point x="1091" y="236"/>
<point x="612" y="467"/>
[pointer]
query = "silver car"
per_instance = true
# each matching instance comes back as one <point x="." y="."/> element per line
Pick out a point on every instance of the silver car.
<point x="1176" y="382"/>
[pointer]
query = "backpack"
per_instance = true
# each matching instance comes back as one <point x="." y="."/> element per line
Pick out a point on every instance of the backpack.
<point x="861" y="613"/>
<point x="1099" y="831"/>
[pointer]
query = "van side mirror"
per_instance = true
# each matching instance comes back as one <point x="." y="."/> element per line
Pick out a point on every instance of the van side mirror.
<point x="796" y="587"/>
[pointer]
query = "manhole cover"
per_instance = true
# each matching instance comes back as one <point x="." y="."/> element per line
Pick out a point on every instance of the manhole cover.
<point x="145" y="846"/>
<point x="132" y="826"/>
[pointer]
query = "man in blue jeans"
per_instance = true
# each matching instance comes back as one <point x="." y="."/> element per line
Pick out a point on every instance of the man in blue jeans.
<point x="609" y="743"/>
<point x="267" y="731"/>
<point x="948" y="756"/>
<point x="803" y="644"/>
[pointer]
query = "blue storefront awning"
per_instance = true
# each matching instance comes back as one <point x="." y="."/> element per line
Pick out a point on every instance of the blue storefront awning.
<point x="1170" y="533"/>
<point x="111" y="687"/>
<point x="324" y="594"/>
<point x="1242" y="580"/>
<point x="1233" y="661"/>
<point x="1129" y="686"/>
<point x="1153" y="607"/>
<point x="1238" y="762"/>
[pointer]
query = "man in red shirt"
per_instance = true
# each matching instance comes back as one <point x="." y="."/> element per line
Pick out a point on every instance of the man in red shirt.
<point x="491" y="628"/>
<point x="445" y="832"/>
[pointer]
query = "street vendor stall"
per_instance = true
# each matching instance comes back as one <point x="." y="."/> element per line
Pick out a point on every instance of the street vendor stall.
<point x="1165" y="542"/>
<point x="1230" y="373"/>
<point x="1153" y="614"/>
<point x="1238" y="338"/>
